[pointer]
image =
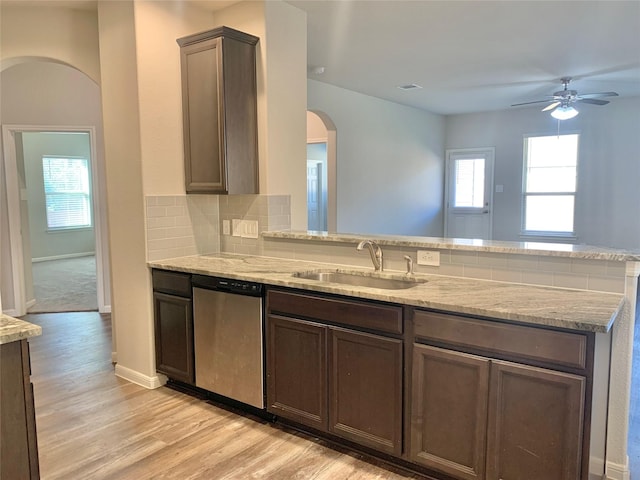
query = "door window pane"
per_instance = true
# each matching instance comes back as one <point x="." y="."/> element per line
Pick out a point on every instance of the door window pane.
<point x="469" y="177"/>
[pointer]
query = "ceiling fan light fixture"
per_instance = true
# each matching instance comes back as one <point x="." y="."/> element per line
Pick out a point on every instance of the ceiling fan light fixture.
<point x="564" y="112"/>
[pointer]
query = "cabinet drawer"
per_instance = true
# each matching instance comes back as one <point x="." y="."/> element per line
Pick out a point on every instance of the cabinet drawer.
<point x="173" y="283"/>
<point x="372" y="316"/>
<point x="564" y="349"/>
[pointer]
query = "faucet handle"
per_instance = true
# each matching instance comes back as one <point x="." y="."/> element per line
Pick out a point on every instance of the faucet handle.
<point x="409" y="264"/>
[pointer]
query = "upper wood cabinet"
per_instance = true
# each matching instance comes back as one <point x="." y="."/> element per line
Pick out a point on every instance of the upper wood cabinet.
<point x="219" y="112"/>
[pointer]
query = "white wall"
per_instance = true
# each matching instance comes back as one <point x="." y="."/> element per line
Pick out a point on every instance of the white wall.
<point x="390" y="163"/>
<point x="45" y="243"/>
<point x="608" y="170"/>
<point x="66" y="35"/>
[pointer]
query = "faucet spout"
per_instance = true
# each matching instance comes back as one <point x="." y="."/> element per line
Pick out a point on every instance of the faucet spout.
<point x="376" y="253"/>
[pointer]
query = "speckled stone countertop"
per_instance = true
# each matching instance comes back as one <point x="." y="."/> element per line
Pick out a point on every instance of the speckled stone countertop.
<point x="467" y="244"/>
<point x="12" y="329"/>
<point x="557" y="307"/>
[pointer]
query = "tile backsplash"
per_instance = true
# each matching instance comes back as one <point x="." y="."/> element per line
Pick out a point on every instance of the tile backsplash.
<point x="181" y="225"/>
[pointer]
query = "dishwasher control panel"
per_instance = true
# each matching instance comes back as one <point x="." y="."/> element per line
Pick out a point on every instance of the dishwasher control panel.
<point x="228" y="285"/>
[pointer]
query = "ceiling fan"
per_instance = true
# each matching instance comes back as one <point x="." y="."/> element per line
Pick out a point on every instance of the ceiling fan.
<point x="561" y="102"/>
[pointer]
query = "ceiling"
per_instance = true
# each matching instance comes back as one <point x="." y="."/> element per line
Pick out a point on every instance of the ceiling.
<point x="469" y="56"/>
<point x="473" y="56"/>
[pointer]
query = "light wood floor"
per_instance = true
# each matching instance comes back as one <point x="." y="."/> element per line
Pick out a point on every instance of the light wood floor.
<point x="93" y="425"/>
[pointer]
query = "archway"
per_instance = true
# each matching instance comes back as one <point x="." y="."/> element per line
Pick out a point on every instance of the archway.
<point x="321" y="132"/>
<point x="26" y="112"/>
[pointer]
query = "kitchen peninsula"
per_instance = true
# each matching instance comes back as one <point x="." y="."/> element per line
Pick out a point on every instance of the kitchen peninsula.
<point x="17" y="415"/>
<point x="539" y="311"/>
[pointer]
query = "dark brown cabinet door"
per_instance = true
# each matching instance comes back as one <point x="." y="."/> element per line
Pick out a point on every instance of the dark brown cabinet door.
<point x="18" y="441"/>
<point x="535" y="423"/>
<point x="449" y="411"/>
<point x="203" y="132"/>
<point x="297" y="370"/>
<point x="174" y="336"/>
<point x="219" y="103"/>
<point x="365" y="392"/>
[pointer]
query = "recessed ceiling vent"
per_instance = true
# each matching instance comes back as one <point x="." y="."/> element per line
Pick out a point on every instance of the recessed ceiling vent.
<point x="409" y="86"/>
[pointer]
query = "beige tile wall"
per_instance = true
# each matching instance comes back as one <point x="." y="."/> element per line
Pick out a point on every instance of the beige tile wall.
<point x="192" y="225"/>
<point x="272" y="212"/>
<point x="583" y="274"/>
<point x="180" y="225"/>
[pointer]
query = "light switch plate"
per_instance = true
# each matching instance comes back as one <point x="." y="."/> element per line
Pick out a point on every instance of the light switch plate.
<point x="226" y="227"/>
<point x="428" y="257"/>
<point x="236" y="227"/>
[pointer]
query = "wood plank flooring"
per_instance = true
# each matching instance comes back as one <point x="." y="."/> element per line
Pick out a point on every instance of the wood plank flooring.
<point x="93" y="425"/>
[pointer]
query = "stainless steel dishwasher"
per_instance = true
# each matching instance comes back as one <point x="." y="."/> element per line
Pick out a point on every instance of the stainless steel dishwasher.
<point x="227" y="331"/>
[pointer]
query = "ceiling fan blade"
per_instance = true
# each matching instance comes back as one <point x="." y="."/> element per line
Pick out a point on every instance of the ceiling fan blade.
<point x="598" y="95"/>
<point x="593" y="101"/>
<point x="551" y="107"/>
<point x="529" y="103"/>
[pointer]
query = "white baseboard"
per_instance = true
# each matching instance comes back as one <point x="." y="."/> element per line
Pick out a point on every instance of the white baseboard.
<point x="596" y="468"/>
<point x="105" y="309"/>
<point x="140" y="379"/>
<point x="31" y="303"/>
<point x="11" y="312"/>
<point x="615" y="471"/>
<point x="61" y="257"/>
<point x="114" y="357"/>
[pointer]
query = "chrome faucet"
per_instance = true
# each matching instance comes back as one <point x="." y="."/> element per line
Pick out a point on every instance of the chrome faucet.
<point x="376" y="253"/>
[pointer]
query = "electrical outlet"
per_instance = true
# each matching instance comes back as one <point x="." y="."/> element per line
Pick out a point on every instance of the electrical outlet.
<point x="226" y="227"/>
<point x="428" y="257"/>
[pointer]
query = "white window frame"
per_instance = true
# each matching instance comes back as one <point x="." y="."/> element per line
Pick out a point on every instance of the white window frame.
<point x="88" y="195"/>
<point x="547" y="233"/>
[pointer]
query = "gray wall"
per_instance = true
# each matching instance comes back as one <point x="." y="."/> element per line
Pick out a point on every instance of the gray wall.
<point x="390" y="163"/>
<point x="45" y="243"/>
<point x="608" y="195"/>
<point x="45" y="93"/>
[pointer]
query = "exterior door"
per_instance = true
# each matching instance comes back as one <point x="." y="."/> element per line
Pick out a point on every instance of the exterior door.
<point x="469" y="193"/>
<point x="314" y="200"/>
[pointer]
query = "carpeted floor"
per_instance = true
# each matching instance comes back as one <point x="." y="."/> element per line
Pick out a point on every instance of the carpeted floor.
<point x="67" y="285"/>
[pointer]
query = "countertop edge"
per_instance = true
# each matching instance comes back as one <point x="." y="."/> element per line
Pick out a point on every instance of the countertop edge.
<point x="522" y="248"/>
<point x="13" y="329"/>
<point x="541" y="320"/>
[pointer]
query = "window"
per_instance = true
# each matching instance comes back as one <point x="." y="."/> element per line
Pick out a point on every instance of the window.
<point x="469" y="187"/>
<point x="549" y="191"/>
<point x="67" y="192"/>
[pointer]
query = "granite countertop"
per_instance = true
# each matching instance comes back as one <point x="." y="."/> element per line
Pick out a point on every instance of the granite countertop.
<point x="467" y="244"/>
<point x="12" y="329"/>
<point x="548" y="306"/>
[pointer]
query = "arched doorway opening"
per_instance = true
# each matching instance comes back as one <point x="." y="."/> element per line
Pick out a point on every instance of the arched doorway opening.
<point x="45" y="95"/>
<point x="321" y="172"/>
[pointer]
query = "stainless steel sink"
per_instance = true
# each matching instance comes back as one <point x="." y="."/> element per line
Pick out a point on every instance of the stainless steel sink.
<point x="361" y="280"/>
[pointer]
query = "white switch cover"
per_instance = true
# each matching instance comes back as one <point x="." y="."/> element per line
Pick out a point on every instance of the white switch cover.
<point x="499" y="188"/>
<point x="429" y="257"/>
<point x="250" y="229"/>
<point x="226" y="227"/>
<point x="236" y="227"/>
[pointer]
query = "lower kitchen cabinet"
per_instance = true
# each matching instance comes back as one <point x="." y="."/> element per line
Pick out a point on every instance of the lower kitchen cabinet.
<point x="338" y="380"/>
<point x="18" y="439"/>
<point x="535" y="423"/>
<point x="365" y="392"/>
<point x="479" y="417"/>
<point x="173" y="322"/>
<point x="297" y="371"/>
<point x="449" y="404"/>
